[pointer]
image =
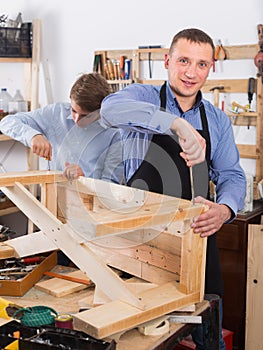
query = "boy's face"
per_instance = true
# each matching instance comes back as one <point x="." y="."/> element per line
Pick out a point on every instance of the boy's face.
<point x="77" y="113"/>
<point x="83" y="118"/>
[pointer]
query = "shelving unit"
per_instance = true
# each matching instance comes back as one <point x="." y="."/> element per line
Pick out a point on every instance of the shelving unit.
<point x="31" y="91"/>
<point x="237" y="52"/>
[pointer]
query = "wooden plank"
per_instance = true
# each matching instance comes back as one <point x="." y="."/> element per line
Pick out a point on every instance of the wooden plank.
<point x="35" y="243"/>
<point x="35" y="63"/>
<point x="133" y="266"/>
<point x="137" y="287"/>
<point x="15" y="59"/>
<point x="142" y="251"/>
<point x="31" y="177"/>
<point x="49" y="197"/>
<point x="243" y="119"/>
<point x="259" y="138"/>
<point x="248" y="151"/>
<point x="59" y="287"/>
<point x="192" y="275"/>
<point x="237" y="52"/>
<point x="99" y="321"/>
<point x="254" y="301"/>
<point x="6" y="251"/>
<point x="70" y="243"/>
<point x="151" y="209"/>
<point x="230" y="85"/>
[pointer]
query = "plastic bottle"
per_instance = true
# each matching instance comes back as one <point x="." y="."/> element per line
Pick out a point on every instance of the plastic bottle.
<point x="5" y="98"/>
<point x="18" y="104"/>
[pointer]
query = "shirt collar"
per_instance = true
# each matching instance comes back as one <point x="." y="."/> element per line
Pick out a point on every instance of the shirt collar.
<point x="170" y="96"/>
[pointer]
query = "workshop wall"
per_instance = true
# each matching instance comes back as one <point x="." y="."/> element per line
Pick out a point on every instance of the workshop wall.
<point x="72" y="31"/>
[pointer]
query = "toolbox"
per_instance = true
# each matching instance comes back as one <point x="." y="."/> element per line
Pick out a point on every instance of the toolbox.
<point x="47" y="338"/>
<point x="21" y="286"/>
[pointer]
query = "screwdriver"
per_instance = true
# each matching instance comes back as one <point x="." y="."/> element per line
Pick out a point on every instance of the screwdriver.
<point x="251" y="89"/>
<point x="48" y="162"/>
<point x="192" y="185"/>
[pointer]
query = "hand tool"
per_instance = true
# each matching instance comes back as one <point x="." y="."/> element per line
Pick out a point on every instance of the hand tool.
<point x="251" y="90"/>
<point x="216" y="90"/>
<point x="220" y="52"/>
<point x="258" y="60"/>
<point x="48" y="162"/>
<point x="122" y="72"/>
<point x="97" y="63"/>
<point x="21" y="261"/>
<point x="185" y="319"/>
<point x="149" y="56"/>
<point x="127" y="69"/>
<point x="5" y="233"/>
<point x="68" y="278"/>
<point x="192" y="185"/>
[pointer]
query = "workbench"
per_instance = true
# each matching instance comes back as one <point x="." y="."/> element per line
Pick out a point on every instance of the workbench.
<point x="69" y="304"/>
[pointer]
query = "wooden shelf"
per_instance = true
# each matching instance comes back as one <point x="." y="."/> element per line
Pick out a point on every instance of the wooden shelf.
<point x="120" y="81"/>
<point x="15" y="59"/>
<point x="243" y="119"/>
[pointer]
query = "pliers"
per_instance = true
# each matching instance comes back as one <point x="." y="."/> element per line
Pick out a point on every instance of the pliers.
<point x="220" y="52"/>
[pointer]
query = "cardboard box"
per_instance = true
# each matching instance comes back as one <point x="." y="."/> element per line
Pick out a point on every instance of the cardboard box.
<point x="19" y="287"/>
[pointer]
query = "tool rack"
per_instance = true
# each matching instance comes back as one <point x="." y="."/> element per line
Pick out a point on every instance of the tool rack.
<point x="237" y="52"/>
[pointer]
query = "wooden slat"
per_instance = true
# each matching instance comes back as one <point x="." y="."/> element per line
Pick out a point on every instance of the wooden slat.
<point x="248" y="151"/>
<point x="31" y="177"/>
<point x="35" y="243"/>
<point x="254" y="303"/>
<point x="192" y="275"/>
<point x="230" y="85"/>
<point x="6" y="251"/>
<point x="36" y="25"/>
<point x="259" y="138"/>
<point x="99" y="321"/>
<point x="15" y="59"/>
<point x="243" y="119"/>
<point x="70" y="244"/>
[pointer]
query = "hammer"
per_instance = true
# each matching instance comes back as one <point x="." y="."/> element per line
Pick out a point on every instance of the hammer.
<point x="216" y="90"/>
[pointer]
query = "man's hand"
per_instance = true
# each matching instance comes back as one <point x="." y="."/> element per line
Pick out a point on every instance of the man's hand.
<point x="41" y="147"/>
<point x="72" y="171"/>
<point x="192" y="143"/>
<point x="212" y="220"/>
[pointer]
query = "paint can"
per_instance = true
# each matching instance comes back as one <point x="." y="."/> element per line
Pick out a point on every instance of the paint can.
<point x="64" y="321"/>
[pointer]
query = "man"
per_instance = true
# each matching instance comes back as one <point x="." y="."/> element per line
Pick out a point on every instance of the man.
<point x="70" y="135"/>
<point x="154" y="161"/>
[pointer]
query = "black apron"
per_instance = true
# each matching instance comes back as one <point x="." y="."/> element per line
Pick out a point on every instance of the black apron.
<point x="164" y="171"/>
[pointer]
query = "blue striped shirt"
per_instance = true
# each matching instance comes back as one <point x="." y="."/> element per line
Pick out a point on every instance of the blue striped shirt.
<point x="136" y="110"/>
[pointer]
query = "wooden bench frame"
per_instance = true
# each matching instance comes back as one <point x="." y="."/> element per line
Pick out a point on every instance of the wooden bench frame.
<point x="100" y="225"/>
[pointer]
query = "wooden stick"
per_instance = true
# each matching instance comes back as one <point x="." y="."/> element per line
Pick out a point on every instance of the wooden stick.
<point x="69" y="278"/>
